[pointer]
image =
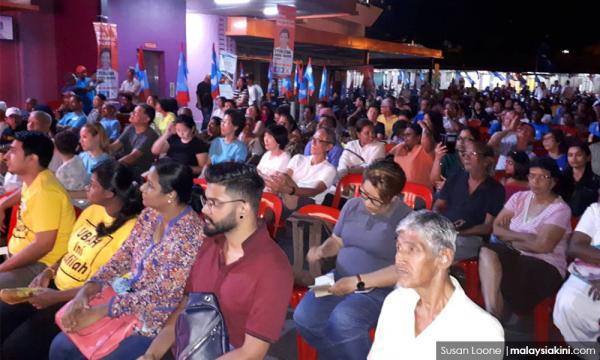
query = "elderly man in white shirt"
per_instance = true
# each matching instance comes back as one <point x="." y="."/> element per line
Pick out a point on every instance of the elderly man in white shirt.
<point x="131" y="85"/>
<point x="360" y="153"/>
<point x="306" y="176"/>
<point x="428" y="305"/>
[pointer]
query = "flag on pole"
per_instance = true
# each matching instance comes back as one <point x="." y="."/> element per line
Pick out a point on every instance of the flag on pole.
<point x="302" y="90"/>
<point x="297" y="78"/>
<point x="215" y="74"/>
<point x="270" y="79"/>
<point x="324" y="82"/>
<point x="308" y="76"/>
<point x="182" y="93"/>
<point x="242" y="73"/>
<point x="286" y="87"/>
<point x="498" y="75"/>
<point x="140" y="73"/>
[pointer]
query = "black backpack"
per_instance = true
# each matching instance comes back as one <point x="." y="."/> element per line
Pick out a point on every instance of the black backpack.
<point x="200" y="331"/>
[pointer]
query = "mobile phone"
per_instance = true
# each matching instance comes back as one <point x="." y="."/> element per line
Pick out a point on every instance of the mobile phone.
<point x="449" y="140"/>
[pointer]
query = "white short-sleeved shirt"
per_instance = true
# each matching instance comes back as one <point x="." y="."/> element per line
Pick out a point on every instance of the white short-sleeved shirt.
<point x="309" y="176"/>
<point x="369" y="153"/>
<point x="460" y="320"/>
<point x="270" y="164"/>
<point x="589" y="224"/>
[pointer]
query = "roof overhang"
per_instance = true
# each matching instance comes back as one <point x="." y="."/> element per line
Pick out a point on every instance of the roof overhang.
<point x="256" y="37"/>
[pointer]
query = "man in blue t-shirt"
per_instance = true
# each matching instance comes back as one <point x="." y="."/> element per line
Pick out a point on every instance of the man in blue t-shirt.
<point x="75" y="119"/>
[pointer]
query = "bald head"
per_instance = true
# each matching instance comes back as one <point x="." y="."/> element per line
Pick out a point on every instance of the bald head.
<point x="39" y="121"/>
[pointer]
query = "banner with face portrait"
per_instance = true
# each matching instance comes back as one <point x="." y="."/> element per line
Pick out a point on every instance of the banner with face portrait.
<point x="107" y="76"/>
<point x="283" y="50"/>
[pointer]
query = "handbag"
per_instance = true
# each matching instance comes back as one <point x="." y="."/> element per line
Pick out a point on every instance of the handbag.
<point x="104" y="336"/>
<point x="200" y="330"/>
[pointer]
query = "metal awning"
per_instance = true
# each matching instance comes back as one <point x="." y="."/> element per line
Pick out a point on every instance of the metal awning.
<point x="254" y="38"/>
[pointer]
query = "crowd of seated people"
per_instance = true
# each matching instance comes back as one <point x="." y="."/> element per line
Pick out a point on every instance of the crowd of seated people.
<point x="510" y="173"/>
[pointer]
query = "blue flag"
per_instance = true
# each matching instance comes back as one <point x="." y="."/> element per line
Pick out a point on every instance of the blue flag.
<point x="296" y="78"/>
<point x="323" y="95"/>
<point x="499" y="76"/>
<point x="308" y="76"/>
<point x="270" y="78"/>
<point x="215" y="74"/>
<point x="302" y="90"/>
<point x="182" y="93"/>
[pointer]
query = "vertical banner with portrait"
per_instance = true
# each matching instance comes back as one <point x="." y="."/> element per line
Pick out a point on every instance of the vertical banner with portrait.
<point x="283" y="50"/>
<point x="227" y="66"/>
<point x="107" y="76"/>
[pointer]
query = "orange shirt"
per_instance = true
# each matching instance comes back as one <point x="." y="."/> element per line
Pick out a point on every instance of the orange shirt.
<point x="417" y="165"/>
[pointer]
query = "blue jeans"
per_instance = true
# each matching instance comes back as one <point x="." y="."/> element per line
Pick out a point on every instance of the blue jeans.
<point x="338" y="326"/>
<point x="130" y="348"/>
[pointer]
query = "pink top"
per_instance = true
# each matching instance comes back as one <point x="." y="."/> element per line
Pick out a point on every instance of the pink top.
<point x="417" y="165"/>
<point x="557" y="213"/>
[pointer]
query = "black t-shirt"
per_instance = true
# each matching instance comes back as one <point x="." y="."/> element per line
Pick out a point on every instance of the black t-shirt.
<point x="185" y="153"/>
<point x="8" y="135"/>
<point x="488" y="198"/>
<point x="204" y="94"/>
<point x="581" y="194"/>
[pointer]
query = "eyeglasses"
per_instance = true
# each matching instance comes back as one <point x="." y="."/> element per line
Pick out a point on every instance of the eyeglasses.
<point x="320" y="141"/>
<point x="462" y="139"/>
<point x="213" y="203"/>
<point x="469" y="154"/>
<point x="366" y="196"/>
<point x="538" y="176"/>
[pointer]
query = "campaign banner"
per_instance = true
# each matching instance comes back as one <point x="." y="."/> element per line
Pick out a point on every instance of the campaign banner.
<point x="283" y="49"/>
<point x="227" y="65"/>
<point x="107" y="76"/>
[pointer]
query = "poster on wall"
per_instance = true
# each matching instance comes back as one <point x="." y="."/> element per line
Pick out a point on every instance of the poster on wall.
<point x="108" y="60"/>
<point x="227" y="66"/>
<point x="283" y="49"/>
<point x="6" y="28"/>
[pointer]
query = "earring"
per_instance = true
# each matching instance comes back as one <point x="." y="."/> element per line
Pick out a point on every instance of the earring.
<point x="170" y="200"/>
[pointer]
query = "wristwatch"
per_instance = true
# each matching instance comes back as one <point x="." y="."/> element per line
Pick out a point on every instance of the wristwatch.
<point x="360" y="285"/>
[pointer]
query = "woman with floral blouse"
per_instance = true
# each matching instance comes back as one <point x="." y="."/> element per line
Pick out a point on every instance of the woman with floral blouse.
<point x="149" y="271"/>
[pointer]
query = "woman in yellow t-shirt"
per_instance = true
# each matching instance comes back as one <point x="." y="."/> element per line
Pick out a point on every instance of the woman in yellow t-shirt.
<point x="114" y="193"/>
<point x="165" y="114"/>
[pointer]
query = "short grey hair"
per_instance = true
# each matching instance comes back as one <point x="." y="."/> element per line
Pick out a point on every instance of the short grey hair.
<point x="43" y="117"/>
<point x="435" y="229"/>
<point x="331" y="137"/>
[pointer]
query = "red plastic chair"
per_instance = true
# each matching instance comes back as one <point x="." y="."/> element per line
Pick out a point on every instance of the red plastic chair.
<point x="325" y="213"/>
<point x="412" y="191"/>
<point x="331" y="215"/>
<point x="388" y="147"/>
<point x="474" y="123"/>
<point x="499" y="174"/>
<point x="348" y="180"/>
<point x="542" y="312"/>
<point x="483" y="133"/>
<point x="12" y="223"/>
<point x="574" y="222"/>
<point x="272" y="202"/>
<point x="472" y="285"/>
<point x="201" y="182"/>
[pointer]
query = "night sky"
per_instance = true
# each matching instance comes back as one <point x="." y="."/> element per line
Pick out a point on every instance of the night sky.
<point x="503" y="35"/>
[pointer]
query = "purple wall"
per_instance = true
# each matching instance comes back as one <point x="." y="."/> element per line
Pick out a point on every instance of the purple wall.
<point x="148" y="21"/>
